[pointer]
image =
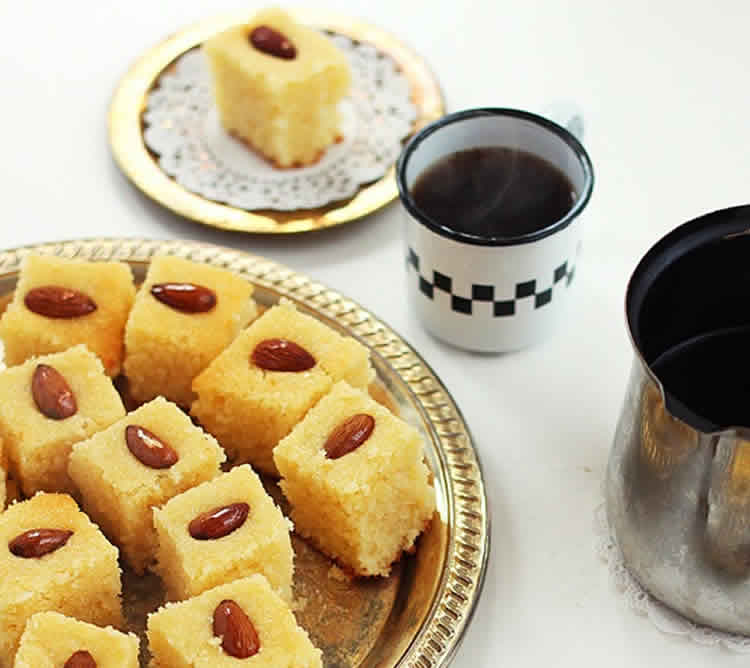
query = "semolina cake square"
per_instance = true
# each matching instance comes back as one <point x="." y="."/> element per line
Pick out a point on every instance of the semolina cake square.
<point x="51" y="639"/>
<point x="166" y="346"/>
<point x="109" y="285"/>
<point x="120" y="485"/>
<point x="260" y="543"/>
<point x="183" y="635"/>
<point x="365" y="507"/>
<point x="250" y="409"/>
<point x="38" y="446"/>
<point x="284" y="107"/>
<point x="80" y="578"/>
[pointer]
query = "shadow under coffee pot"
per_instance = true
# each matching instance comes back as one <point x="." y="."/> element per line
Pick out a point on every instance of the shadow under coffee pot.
<point x="678" y="481"/>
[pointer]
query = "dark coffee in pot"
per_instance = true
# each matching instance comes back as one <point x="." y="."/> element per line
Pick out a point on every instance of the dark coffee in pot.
<point x="709" y="375"/>
<point x="687" y="307"/>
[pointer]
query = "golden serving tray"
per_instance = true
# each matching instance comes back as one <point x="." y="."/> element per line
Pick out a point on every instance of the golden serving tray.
<point x="140" y="166"/>
<point x="417" y="616"/>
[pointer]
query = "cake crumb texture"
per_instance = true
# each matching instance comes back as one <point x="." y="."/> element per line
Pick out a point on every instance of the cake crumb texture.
<point x="262" y="544"/>
<point x="165" y="349"/>
<point x="119" y="491"/>
<point x="181" y="635"/>
<point x="81" y="579"/>
<point x="366" y="507"/>
<point x="250" y="409"/>
<point x="110" y="284"/>
<point x="50" y="639"/>
<point x="287" y="109"/>
<point x="37" y="446"/>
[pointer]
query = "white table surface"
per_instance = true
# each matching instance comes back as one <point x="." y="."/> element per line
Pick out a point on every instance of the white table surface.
<point x="664" y="90"/>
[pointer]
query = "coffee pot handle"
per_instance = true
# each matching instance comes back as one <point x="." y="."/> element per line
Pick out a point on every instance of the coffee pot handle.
<point x="566" y="114"/>
<point x="728" y="517"/>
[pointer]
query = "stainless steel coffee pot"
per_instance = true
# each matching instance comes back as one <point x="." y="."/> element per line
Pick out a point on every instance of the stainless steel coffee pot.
<point x="678" y="480"/>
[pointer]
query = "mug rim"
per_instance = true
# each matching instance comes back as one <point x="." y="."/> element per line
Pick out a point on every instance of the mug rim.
<point x="512" y="240"/>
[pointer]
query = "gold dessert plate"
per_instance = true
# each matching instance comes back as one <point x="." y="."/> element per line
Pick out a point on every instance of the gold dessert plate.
<point x="417" y="616"/>
<point x="141" y="166"/>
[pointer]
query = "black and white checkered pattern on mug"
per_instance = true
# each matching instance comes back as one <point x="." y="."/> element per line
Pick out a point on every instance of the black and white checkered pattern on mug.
<point x="562" y="276"/>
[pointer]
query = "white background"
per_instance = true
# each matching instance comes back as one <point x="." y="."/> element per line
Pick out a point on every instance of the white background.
<point x="664" y="87"/>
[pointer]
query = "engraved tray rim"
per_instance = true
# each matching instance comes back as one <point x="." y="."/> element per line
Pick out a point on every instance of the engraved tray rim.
<point x="465" y="505"/>
<point x="125" y="128"/>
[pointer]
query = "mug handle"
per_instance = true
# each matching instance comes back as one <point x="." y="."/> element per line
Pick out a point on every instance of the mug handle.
<point x="568" y="115"/>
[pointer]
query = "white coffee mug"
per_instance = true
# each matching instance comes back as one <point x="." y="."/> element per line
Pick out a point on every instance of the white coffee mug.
<point x="483" y="293"/>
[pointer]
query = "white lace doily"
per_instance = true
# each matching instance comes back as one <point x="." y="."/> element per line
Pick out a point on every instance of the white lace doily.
<point x="182" y="127"/>
<point x="663" y="618"/>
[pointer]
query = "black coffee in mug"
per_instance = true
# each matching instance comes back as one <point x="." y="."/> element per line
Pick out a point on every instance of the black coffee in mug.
<point x="494" y="191"/>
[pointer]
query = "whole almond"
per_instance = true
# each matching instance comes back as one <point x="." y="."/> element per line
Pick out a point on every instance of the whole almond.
<point x="349" y="435"/>
<point x="38" y="542"/>
<point x="80" y="659"/>
<point x="54" y="301"/>
<point x="149" y="449"/>
<point x="219" y="522"/>
<point x="270" y="41"/>
<point x="52" y="394"/>
<point x="185" y="297"/>
<point x="238" y="635"/>
<point x="282" y="355"/>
